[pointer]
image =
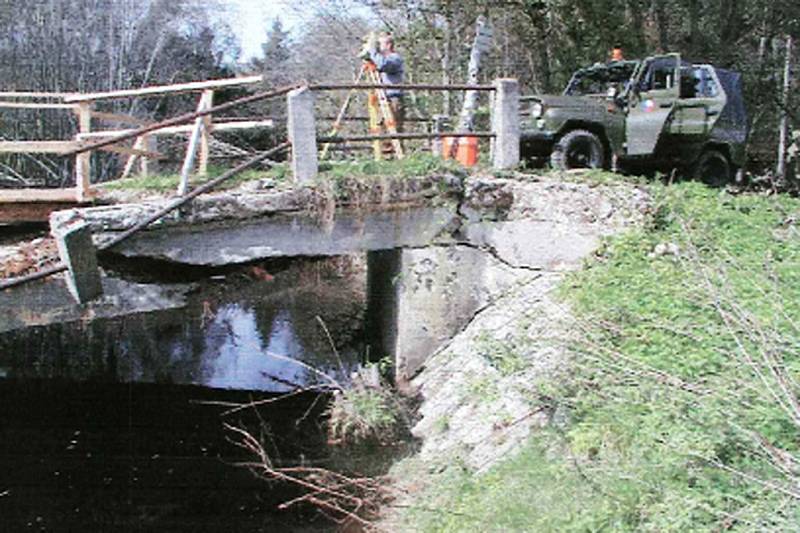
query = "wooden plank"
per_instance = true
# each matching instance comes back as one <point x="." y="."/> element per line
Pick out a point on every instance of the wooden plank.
<point x="33" y="94"/>
<point x="36" y="195"/>
<point x="243" y="125"/>
<point x="16" y="213"/>
<point x="150" y="144"/>
<point x="138" y="144"/>
<point x="176" y="130"/>
<point x="39" y="147"/>
<point x="83" y="161"/>
<point x="120" y="119"/>
<point x="29" y="105"/>
<point x="182" y="119"/>
<point x="164" y="89"/>
<point x="191" y="149"/>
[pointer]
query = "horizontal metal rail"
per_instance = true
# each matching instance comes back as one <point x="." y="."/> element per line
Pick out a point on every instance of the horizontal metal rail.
<point x="403" y="136"/>
<point x="61" y="267"/>
<point x="181" y="119"/>
<point x="400" y="86"/>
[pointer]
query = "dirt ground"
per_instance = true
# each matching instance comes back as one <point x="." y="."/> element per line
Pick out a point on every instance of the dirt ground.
<point x="26" y="256"/>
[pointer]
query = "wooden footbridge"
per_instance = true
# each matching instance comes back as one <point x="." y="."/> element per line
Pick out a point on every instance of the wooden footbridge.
<point x="35" y="204"/>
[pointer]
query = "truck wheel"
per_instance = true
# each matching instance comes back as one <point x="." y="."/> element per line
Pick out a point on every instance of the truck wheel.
<point x="712" y="168"/>
<point x="578" y="149"/>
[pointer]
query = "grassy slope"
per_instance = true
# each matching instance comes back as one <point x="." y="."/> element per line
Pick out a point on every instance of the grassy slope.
<point x="671" y="388"/>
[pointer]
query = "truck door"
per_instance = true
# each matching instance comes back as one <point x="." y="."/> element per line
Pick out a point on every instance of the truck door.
<point x="655" y="89"/>
<point x="700" y="104"/>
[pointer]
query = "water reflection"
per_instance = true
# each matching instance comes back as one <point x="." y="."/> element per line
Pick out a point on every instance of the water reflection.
<point x="103" y="426"/>
<point x="244" y="361"/>
<point x="243" y="335"/>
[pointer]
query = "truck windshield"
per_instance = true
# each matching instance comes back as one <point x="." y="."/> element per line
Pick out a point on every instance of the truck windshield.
<point x="598" y="79"/>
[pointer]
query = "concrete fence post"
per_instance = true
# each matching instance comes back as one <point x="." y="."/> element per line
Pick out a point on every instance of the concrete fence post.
<point x="302" y="134"/>
<point x="74" y="240"/>
<point x="505" y="124"/>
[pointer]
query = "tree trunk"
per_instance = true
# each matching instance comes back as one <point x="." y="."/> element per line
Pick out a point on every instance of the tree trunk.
<point x="784" y="127"/>
<point x="479" y="45"/>
<point x="447" y="37"/>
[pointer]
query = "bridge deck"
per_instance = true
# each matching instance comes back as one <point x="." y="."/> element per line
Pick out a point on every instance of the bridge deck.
<point x="34" y="205"/>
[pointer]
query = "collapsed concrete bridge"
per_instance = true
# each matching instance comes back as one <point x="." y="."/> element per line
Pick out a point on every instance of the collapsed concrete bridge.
<point x="439" y="248"/>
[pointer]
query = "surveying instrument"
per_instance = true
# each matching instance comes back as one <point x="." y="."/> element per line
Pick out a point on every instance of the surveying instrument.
<point x="379" y="111"/>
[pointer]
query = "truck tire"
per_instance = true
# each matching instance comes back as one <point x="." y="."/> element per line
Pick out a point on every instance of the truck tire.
<point x="578" y="149"/>
<point x="712" y="168"/>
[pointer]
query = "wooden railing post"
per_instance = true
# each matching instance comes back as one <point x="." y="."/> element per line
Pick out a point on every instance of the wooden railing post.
<point x="205" y="138"/>
<point x="146" y="165"/>
<point x="83" y="162"/>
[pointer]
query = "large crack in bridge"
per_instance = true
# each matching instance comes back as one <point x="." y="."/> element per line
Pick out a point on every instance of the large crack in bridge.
<point x="439" y="248"/>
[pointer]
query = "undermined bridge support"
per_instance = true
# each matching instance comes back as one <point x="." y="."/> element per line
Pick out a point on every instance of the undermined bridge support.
<point x="419" y="298"/>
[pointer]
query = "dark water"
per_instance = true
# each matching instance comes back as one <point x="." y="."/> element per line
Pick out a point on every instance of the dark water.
<point x="116" y="424"/>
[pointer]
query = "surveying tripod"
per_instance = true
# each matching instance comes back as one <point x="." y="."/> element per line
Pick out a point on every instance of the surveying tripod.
<point x="380" y="112"/>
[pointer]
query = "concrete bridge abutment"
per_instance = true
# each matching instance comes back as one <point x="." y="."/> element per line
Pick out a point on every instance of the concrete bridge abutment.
<point x="420" y="298"/>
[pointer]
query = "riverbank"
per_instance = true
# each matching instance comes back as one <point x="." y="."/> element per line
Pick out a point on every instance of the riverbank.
<point x="649" y="390"/>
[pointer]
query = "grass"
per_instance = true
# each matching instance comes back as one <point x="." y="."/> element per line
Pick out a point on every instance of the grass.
<point x="680" y="396"/>
<point x="414" y="165"/>
<point x="166" y="183"/>
<point x="362" y="415"/>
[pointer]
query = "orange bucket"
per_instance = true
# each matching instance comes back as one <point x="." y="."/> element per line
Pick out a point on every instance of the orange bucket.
<point x="467" y="151"/>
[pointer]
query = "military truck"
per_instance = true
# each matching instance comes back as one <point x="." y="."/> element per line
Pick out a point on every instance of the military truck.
<point x="659" y="113"/>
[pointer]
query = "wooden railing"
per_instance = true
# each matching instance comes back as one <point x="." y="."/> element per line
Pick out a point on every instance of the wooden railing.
<point x="143" y="149"/>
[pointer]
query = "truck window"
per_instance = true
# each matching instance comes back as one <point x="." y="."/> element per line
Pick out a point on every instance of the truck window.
<point x="706" y="86"/>
<point x="697" y="82"/>
<point x="689" y="83"/>
<point x="660" y="75"/>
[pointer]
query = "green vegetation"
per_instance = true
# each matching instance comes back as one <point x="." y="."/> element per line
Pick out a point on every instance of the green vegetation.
<point x="168" y="183"/>
<point x="505" y="356"/>
<point x="414" y="165"/>
<point x="682" y="397"/>
<point x="363" y="415"/>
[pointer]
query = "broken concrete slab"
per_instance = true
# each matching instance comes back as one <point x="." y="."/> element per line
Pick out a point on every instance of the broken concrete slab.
<point x="435" y="292"/>
<point x="50" y="302"/>
<point x="77" y="251"/>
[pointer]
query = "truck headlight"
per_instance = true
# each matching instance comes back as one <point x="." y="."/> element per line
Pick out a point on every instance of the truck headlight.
<point x="537" y="110"/>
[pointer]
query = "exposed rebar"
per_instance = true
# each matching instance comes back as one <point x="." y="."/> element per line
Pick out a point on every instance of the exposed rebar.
<point x="60" y="267"/>
<point x="184" y="118"/>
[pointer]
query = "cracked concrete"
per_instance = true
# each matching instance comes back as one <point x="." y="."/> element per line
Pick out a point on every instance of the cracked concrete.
<point x="480" y="387"/>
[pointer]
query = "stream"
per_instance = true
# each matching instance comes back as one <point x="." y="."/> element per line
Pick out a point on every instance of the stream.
<point x="116" y="422"/>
